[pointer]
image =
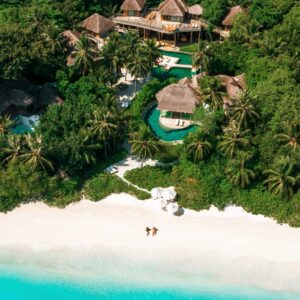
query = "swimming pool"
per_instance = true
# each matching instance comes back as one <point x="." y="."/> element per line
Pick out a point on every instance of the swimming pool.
<point x="152" y="120"/>
<point x="21" y="129"/>
<point x="184" y="58"/>
<point x="178" y="73"/>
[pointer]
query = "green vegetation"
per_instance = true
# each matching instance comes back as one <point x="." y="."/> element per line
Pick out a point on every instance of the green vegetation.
<point x="245" y="153"/>
<point x="103" y="185"/>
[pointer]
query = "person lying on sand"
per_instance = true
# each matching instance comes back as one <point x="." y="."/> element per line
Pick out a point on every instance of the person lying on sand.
<point x="147" y="230"/>
<point x="154" y="231"/>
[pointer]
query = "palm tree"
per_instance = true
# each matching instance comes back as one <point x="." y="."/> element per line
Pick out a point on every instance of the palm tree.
<point x="152" y="52"/>
<point x="237" y="172"/>
<point x="281" y="178"/>
<point x="211" y="93"/>
<point x="138" y="65"/>
<point x="200" y="57"/>
<point x="53" y="39"/>
<point x="33" y="154"/>
<point x="88" y="149"/>
<point x="243" y="110"/>
<point x="104" y="126"/>
<point x="291" y="136"/>
<point x="13" y="148"/>
<point x="5" y="124"/>
<point x="84" y="54"/>
<point x="232" y="139"/>
<point x="112" y="55"/>
<point x="198" y="148"/>
<point x="143" y="144"/>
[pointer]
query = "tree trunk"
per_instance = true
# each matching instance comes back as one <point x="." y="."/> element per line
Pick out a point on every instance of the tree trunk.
<point x="105" y="149"/>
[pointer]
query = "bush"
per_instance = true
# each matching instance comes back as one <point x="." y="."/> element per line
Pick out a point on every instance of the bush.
<point x="104" y="184"/>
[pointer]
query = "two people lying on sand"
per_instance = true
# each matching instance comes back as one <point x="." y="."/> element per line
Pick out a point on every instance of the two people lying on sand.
<point x="153" y="230"/>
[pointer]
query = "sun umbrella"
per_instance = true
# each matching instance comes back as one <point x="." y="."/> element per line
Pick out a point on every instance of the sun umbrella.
<point x="169" y="194"/>
<point x="172" y="208"/>
<point x="163" y="203"/>
<point x="156" y="193"/>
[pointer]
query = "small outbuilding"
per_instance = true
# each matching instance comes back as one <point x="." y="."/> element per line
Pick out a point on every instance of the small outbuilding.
<point x="133" y="8"/>
<point x="195" y="11"/>
<point x="98" y="25"/>
<point x="229" y="19"/>
<point x="178" y="100"/>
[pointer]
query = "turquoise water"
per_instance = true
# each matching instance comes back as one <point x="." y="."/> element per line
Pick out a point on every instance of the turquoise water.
<point x="13" y="287"/>
<point x="185" y="59"/>
<point x="151" y="119"/>
<point x="21" y="129"/>
<point x="178" y="73"/>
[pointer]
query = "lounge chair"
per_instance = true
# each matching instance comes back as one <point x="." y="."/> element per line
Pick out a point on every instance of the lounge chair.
<point x="181" y="123"/>
<point x="177" y="122"/>
<point x="111" y="170"/>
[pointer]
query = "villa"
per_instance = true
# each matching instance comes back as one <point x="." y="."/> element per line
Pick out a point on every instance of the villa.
<point x="97" y="25"/>
<point x="176" y="103"/>
<point x="171" y="22"/>
<point x="234" y="86"/>
<point x="229" y="19"/>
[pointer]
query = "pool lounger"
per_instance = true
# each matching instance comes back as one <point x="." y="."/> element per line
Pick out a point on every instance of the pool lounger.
<point x="111" y="170"/>
<point x="178" y="122"/>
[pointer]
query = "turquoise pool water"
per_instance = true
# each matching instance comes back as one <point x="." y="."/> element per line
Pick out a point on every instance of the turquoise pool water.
<point x="21" y="129"/>
<point x="178" y="73"/>
<point x="151" y="119"/>
<point x="185" y="59"/>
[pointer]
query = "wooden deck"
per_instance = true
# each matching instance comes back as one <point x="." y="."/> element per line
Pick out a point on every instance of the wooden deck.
<point x="167" y="27"/>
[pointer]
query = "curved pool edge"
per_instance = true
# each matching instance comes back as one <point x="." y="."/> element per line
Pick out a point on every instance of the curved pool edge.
<point x="151" y="118"/>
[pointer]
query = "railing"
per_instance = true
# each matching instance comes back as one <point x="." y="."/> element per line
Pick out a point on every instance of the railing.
<point x="142" y="23"/>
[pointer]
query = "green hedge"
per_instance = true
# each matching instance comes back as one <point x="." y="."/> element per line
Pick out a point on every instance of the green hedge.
<point x="201" y="185"/>
<point x="104" y="184"/>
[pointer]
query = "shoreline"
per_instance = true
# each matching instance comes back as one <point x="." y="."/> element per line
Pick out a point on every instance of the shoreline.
<point x="229" y="247"/>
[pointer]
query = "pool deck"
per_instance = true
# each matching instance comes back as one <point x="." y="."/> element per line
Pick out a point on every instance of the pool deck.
<point x="169" y="62"/>
<point x="172" y="123"/>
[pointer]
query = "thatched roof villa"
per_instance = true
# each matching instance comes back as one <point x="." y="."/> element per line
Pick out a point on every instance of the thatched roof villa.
<point x="234" y="86"/>
<point x="70" y="38"/>
<point x="98" y="25"/>
<point x="171" y="21"/>
<point x="195" y="10"/>
<point x="229" y="19"/>
<point x="177" y="101"/>
<point x="133" y="7"/>
<point x="21" y="97"/>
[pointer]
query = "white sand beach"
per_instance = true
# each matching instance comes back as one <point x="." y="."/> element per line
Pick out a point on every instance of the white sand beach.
<point x="231" y="246"/>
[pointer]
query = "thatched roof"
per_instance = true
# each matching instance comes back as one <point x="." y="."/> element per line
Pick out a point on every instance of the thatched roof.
<point x="228" y="21"/>
<point x="234" y="85"/>
<point x="173" y="8"/>
<point x="178" y="97"/>
<point x="70" y="37"/>
<point x="196" y="10"/>
<point x="20" y="98"/>
<point x="98" y="24"/>
<point x="47" y="95"/>
<point x="137" y="5"/>
<point x="4" y="103"/>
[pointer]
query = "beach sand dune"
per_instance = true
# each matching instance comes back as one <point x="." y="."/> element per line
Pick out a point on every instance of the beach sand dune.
<point x="232" y="246"/>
